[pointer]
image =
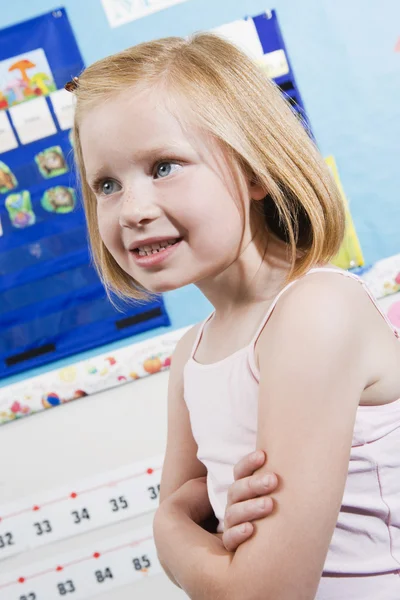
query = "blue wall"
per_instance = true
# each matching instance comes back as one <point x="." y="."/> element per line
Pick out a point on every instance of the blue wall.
<point x="349" y="76"/>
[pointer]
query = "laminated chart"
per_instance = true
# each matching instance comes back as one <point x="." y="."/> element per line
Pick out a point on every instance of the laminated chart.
<point x="79" y="507"/>
<point x="86" y="572"/>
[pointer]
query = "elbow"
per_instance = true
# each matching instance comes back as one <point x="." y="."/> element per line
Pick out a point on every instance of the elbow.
<point x="244" y="593"/>
<point x="248" y="588"/>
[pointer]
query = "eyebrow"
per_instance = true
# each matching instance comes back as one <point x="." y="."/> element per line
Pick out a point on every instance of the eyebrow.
<point x="166" y="150"/>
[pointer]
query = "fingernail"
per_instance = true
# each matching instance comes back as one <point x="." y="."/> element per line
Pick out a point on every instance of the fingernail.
<point x="261" y="503"/>
<point x="266" y="481"/>
<point x="243" y="528"/>
<point x="256" y="456"/>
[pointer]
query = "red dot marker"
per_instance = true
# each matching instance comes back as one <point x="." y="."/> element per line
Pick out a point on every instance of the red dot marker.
<point x="36" y="507"/>
<point x="21" y="580"/>
<point x="59" y="568"/>
<point x="74" y="495"/>
<point x="150" y="471"/>
<point x="96" y="555"/>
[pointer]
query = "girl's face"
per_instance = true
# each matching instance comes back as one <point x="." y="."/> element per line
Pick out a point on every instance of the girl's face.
<point x="168" y="208"/>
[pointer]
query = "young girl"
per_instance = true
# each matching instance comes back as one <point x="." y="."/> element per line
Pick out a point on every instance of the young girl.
<point x="195" y="170"/>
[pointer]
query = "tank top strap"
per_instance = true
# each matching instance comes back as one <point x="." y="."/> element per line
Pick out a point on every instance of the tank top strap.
<point x="366" y="289"/>
<point x="270" y="311"/>
<point x="310" y="272"/>
<point x="200" y="334"/>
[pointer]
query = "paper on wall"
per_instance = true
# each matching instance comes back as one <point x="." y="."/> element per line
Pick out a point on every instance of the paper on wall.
<point x="8" y="141"/>
<point x="274" y="64"/>
<point x="119" y="12"/>
<point x="242" y="33"/>
<point x="32" y="120"/>
<point x="64" y="106"/>
<point x="350" y="254"/>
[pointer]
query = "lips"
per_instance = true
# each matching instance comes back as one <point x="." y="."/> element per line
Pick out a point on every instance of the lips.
<point x="147" y="259"/>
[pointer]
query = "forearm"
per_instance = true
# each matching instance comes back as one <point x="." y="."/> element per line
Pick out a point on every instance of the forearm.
<point x="196" y="559"/>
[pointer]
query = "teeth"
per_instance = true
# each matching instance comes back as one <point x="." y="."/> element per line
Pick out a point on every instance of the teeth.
<point x="155" y="248"/>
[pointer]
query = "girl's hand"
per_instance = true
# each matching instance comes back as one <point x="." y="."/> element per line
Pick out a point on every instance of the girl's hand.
<point x="247" y="500"/>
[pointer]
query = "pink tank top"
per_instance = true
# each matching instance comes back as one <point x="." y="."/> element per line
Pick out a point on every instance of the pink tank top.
<point x="363" y="561"/>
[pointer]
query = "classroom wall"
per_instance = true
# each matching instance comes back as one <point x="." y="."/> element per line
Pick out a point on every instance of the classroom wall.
<point x="348" y="74"/>
<point x="339" y="52"/>
<point x="79" y="440"/>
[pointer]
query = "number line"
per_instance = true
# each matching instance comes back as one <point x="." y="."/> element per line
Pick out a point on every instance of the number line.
<point x="75" y="495"/>
<point x="77" y="561"/>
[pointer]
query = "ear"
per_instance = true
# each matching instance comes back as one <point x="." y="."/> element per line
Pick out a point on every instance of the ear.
<point x="256" y="190"/>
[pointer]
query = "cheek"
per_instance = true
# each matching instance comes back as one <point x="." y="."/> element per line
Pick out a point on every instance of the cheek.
<point x="219" y="222"/>
<point x="108" y="228"/>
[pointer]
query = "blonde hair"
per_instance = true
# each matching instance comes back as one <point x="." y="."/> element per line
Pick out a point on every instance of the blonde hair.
<point x="246" y="113"/>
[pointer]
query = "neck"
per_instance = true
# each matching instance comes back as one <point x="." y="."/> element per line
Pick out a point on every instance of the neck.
<point x="256" y="276"/>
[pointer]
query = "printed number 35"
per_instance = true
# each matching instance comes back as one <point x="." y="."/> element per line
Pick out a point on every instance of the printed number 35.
<point x="119" y="503"/>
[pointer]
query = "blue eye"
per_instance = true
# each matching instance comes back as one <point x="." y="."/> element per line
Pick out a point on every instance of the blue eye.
<point x="108" y="187"/>
<point x="163" y="169"/>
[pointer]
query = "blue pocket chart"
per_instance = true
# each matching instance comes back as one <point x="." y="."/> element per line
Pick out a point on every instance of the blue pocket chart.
<point x="273" y="46"/>
<point x="52" y="303"/>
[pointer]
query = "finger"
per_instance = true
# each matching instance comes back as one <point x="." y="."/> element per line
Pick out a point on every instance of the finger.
<point x="247" y="465"/>
<point x="251" y="487"/>
<point x="250" y="510"/>
<point x="233" y="537"/>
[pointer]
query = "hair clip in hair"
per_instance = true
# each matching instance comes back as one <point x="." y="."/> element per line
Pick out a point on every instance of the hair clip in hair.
<point x="72" y="85"/>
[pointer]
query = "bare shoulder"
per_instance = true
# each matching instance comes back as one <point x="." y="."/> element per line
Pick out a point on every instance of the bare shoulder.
<point x="327" y="315"/>
<point x="324" y="318"/>
<point x="324" y="302"/>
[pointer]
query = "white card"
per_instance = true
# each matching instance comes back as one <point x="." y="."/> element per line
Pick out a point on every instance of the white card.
<point x="275" y="64"/>
<point x="32" y="120"/>
<point x="242" y="33"/>
<point x="8" y="141"/>
<point x="86" y="572"/>
<point x="122" y="11"/>
<point x="64" y="107"/>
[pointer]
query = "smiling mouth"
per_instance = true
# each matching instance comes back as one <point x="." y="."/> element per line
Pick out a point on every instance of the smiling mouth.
<point x="156" y="248"/>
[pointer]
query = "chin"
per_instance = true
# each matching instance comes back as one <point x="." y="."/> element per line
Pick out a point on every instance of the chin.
<point x="160" y="287"/>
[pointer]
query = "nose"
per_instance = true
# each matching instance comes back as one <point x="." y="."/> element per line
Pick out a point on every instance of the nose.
<point x="137" y="213"/>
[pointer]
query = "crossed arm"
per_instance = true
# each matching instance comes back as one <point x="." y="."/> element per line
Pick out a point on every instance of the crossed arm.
<point x="309" y="392"/>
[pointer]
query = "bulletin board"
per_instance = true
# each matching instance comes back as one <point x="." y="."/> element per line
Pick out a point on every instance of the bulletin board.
<point x="52" y="303"/>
